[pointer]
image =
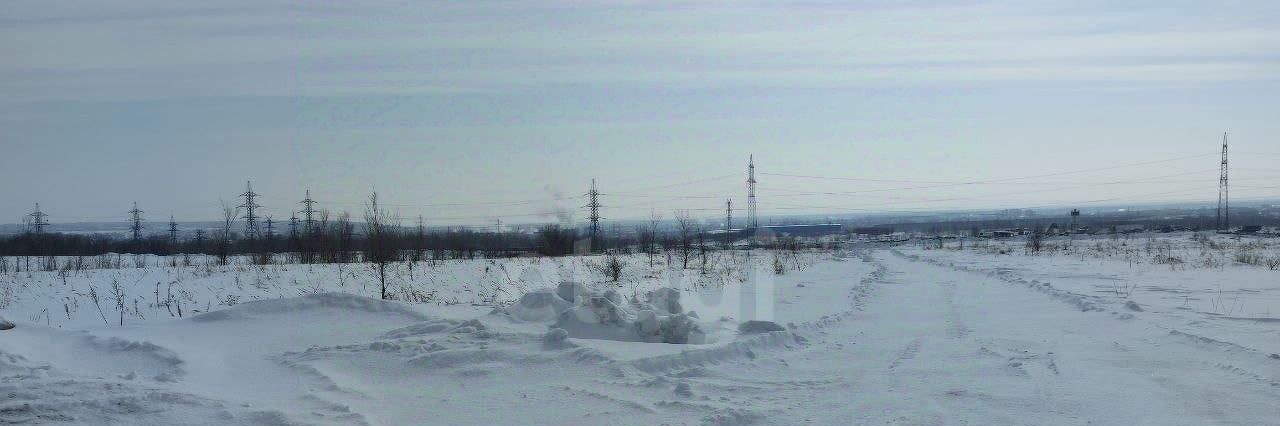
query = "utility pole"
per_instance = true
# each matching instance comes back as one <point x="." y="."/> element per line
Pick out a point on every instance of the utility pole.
<point x="173" y="230"/>
<point x="1224" y="207"/>
<point x="751" y="192"/>
<point x="136" y="219"/>
<point x="271" y="232"/>
<point x="308" y="214"/>
<point x="36" y="221"/>
<point x="593" y="204"/>
<point x="728" y="222"/>
<point x="250" y="217"/>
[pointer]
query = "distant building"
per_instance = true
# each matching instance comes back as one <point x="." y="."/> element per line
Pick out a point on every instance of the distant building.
<point x="873" y="230"/>
<point x="817" y="230"/>
<point x="1249" y="229"/>
<point x="1130" y="229"/>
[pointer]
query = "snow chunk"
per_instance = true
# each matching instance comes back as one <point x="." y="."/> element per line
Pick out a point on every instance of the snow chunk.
<point x="583" y="313"/>
<point x="6" y="324"/>
<point x="569" y="291"/>
<point x="556" y="337"/>
<point x="665" y="300"/>
<point x="1133" y="306"/>
<point x="539" y="306"/>
<point x="682" y="389"/>
<point x="756" y="327"/>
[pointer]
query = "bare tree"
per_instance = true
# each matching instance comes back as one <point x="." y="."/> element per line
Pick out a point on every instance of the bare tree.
<point x="652" y="248"/>
<point x="1035" y="242"/>
<point x="343" y="237"/>
<point x="687" y="229"/>
<point x="702" y="248"/>
<point x="645" y="239"/>
<point x="229" y="215"/>
<point x="380" y="234"/>
<point x="556" y="241"/>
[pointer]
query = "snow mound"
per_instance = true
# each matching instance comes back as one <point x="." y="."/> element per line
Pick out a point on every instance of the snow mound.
<point x="420" y="329"/>
<point x="314" y="302"/>
<point x="132" y="357"/>
<point x="584" y="313"/>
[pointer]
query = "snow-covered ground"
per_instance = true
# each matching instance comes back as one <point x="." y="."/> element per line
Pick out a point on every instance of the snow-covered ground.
<point x="163" y="289"/>
<point x="869" y="336"/>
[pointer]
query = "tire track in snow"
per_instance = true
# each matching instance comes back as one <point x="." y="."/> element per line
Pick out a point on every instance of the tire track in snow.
<point x="1231" y="357"/>
<point x="907" y="353"/>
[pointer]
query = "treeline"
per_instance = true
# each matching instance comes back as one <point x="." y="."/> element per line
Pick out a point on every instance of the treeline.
<point x="339" y="241"/>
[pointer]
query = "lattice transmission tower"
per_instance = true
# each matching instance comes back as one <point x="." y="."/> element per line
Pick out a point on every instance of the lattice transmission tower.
<point x="728" y="222"/>
<point x="135" y="220"/>
<point x="250" y="211"/>
<point x="308" y="214"/>
<point x="37" y="220"/>
<point x="1224" y="205"/>
<point x="751" y="192"/>
<point x="593" y="207"/>
<point x="173" y="230"/>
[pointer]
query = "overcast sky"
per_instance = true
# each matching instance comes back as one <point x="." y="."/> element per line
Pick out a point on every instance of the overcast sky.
<point x="471" y="111"/>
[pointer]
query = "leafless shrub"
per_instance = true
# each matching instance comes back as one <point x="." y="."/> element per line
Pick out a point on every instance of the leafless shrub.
<point x="1168" y="259"/>
<point x="1207" y="243"/>
<point x="1123" y="289"/>
<point x="117" y="294"/>
<point x="1209" y="260"/>
<point x="93" y="296"/>
<point x="610" y="267"/>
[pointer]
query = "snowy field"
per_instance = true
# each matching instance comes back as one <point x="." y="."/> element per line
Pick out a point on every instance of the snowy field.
<point x="1100" y="331"/>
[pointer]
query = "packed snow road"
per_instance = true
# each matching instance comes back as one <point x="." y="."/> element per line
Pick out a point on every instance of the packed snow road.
<point x="938" y="346"/>
<point x="876" y="337"/>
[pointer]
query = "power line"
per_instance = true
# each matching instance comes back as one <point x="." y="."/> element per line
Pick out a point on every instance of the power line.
<point x="625" y="193"/>
<point x="985" y="181"/>
<point x="678" y="184"/>
<point x="935" y="210"/>
<point x="1061" y="186"/>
